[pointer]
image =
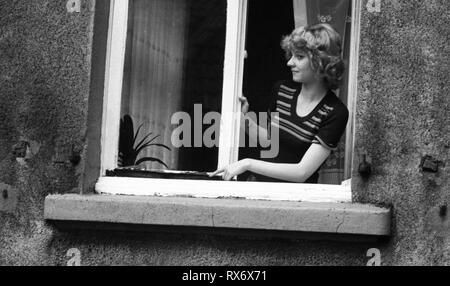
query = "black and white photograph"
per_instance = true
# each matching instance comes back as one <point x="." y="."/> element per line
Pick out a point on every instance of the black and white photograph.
<point x="224" y="140"/>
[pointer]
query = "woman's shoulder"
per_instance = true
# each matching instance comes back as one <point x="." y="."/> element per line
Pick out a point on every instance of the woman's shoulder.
<point x="335" y="105"/>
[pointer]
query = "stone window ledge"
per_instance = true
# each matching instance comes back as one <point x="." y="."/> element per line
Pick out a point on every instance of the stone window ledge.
<point x="318" y="218"/>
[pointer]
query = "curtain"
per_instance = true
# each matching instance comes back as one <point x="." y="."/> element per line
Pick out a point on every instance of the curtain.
<point x="153" y="74"/>
<point x="337" y="13"/>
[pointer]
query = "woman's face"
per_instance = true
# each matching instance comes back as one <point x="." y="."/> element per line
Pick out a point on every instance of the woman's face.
<point x="301" y="69"/>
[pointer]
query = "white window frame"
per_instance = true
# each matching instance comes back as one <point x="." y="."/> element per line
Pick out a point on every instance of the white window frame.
<point x="229" y="127"/>
<point x="352" y="86"/>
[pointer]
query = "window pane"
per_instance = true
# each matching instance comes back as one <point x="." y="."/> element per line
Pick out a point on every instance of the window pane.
<point x="174" y="60"/>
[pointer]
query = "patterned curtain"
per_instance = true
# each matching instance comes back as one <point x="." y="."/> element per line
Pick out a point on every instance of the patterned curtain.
<point x="337" y="13"/>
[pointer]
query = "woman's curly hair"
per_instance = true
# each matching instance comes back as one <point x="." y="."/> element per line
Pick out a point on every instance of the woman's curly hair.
<point x="323" y="46"/>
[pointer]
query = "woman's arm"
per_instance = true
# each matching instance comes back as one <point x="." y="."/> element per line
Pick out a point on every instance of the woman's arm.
<point x="297" y="173"/>
<point x="253" y="128"/>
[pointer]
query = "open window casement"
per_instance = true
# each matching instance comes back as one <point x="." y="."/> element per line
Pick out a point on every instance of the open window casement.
<point x="155" y="69"/>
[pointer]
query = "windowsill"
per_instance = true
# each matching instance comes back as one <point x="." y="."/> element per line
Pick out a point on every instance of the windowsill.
<point x="281" y="216"/>
<point x="220" y="189"/>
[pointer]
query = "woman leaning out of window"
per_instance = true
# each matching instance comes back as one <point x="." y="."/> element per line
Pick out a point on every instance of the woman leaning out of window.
<point x="308" y="115"/>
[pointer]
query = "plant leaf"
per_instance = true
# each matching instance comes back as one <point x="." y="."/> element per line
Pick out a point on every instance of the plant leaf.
<point x="160" y="145"/>
<point x="150" y="159"/>
<point x="143" y="140"/>
<point x="126" y="134"/>
<point x="137" y="133"/>
<point x="147" y="144"/>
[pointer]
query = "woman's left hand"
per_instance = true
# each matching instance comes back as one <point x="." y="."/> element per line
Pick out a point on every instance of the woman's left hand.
<point x="233" y="170"/>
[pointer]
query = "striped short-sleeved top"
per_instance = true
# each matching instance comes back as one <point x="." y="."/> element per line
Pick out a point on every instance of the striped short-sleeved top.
<point x="325" y="125"/>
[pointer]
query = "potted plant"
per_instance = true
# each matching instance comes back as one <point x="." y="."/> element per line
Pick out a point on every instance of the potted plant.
<point x="128" y="149"/>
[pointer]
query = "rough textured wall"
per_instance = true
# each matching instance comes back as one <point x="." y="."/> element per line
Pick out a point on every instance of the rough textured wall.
<point x="45" y="67"/>
<point x="403" y="114"/>
<point x="44" y="88"/>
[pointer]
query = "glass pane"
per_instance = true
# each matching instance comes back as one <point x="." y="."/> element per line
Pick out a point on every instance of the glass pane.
<point x="173" y="63"/>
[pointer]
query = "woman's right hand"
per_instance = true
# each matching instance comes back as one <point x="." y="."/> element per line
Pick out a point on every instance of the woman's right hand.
<point x="244" y="104"/>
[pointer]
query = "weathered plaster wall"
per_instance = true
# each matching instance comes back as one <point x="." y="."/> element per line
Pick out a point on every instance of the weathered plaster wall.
<point x="45" y="87"/>
<point x="403" y="114"/>
<point x="45" y="56"/>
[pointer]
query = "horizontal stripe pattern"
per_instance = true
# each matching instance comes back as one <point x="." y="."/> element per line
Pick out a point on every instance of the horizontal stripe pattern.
<point x="287" y="90"/>
<point x="296" y="127"/>
<point x="284" y="104"/>
<point x="316" y="120"/>
<point x="311" y="125"/>
<point x="323" y="113"/>
<point x="283" y="112"/>
<point x="288" y="122"/>
<point x="305" y="131"/>
<point x="290" y="97"/>
<point x="293" y="133"/>
<point x="325" y="110"/>
<point x="328" y="108"/>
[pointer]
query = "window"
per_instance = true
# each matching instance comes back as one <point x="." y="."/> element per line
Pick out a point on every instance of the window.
<point x="171" y="36"/>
